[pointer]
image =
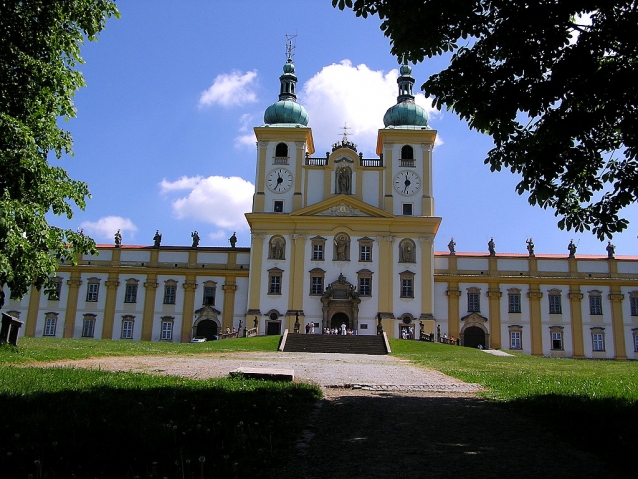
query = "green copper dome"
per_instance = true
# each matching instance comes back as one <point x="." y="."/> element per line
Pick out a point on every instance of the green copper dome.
<point x="287" y="110"/>
<point x="406" y="112"/>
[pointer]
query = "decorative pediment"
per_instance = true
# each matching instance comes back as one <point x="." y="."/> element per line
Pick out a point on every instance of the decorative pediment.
<point x="342" y="205"/>
<point x="207" y="312"/>
<point x="342" y="209"/>
<point x="474" y="318"/>
<point x="340" y="290"/>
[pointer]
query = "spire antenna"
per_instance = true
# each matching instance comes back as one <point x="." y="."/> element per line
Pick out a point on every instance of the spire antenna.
<point x="290" y="47"/>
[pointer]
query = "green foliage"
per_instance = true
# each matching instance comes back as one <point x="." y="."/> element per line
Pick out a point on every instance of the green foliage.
<point x="83" y="423"/>
<point x="554" y="82"/>
<point x="53" y="349"/>
<point x="39" y="51"/>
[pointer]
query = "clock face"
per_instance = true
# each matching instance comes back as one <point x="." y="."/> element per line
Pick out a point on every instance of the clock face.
<point x="407" y="182"/>
<point x="279" y="180"/>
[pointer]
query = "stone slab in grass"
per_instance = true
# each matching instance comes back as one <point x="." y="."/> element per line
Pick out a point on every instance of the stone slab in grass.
<point x="264" y="373"/>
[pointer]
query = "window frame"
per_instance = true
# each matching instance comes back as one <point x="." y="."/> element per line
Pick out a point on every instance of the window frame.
<point x="275" y="281"/>
<point x="473" y="300"/>
<point x="406" y="281"/>
<point x="633" y="303"/>
<point x="364" y="275"/>
<point x="514" y="300"/>
<point x="208" y="287"/>
<point x="554" y="300"/>
<point x="317" y="277"/>
<point x="127" y="320"/>
<point x="130" y="291"/>
<point x="170" y="292"/>
<point x="166" y="328"/>
<point x="516" y="337"/>
<point x="595" y="303"/>
<point x="407" y="209"/>
<point x="88" y="326"/>
<point x="557" y="338"/>
<point x="93" y="290"/>
<point x="56" y="291"/>
<point x="598" y="340"/>
<point x="365" y="249"/>
<point x="318" y="248"/>
<point x="50" y="324"/>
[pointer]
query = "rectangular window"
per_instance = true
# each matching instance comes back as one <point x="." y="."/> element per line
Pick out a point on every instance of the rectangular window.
<point x="557" y="340"/>
<point x="595" y="304"/>
<point x="49" y="326"/>
<point x="365" y="253"/>
<point x="275" y="285"/>
<point x="127" y="329"/>
<point x="209" y="295"/>
<point x="407" y="209"/>
<point x="54" y="294"/>
<point x="515" y="340"/>
<point x="167" y="330"/>
<point x="130" y="295"/>
<point x="633" y="301"/>
<point x="169" y="294"/>
<point x="317" y="252"/>
<point x="88" y="328"/>
<point x="554" y="304"/>
<point x="473" y="302"/>
<point x="279" y="206"/>
<point x="636" y="343"/>
<point x="317" y="285"/>
<point x="514" y="303"/>
<point x="365" y="287"/>
<point x="598" y="341"/>
<point x="92" y="291"/>
<point x="406" y="288"/>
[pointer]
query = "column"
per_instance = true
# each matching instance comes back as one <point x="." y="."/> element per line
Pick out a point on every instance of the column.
<point x="71" y="304"/>
<point x="453" y="314"/>
<point x="535" y="329"/>
<point x="386" y="276"/>
<point x="189" y="308"/>
<point x="296" y="274"/>
<point x="256" y="261"/>
<point x="615" y="298"/>
<point x="494" y="296"/>
<point x="388" y="200"/>
<point x="575" y="306"/>
<point x="228" y="310"/>
<point x="299" y="160"/>
<point x="427" y="200"/>
<point x="151" y="285"/>
<point x="32" y="314"/>
<point x="112" y="284"/>
<point x="427" y="277"/>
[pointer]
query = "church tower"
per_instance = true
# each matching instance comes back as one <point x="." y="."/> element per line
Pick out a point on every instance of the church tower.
<point x="342" y="239"/>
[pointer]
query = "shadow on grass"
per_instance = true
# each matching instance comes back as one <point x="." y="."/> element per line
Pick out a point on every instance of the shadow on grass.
<point x="390" y="436"/>
<point x="605" y="427"/>
<point x="192" y="429"/>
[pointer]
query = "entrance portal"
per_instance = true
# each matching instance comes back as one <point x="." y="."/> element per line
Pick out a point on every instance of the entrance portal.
<point x="338" y="319"/>
<point x="273" y="328"/>
<point x="473" y="337"/>
<point x="207" y="328"/>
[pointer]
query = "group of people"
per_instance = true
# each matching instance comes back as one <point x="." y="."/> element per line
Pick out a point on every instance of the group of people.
<point x="407" y="333"/>
<point x="342" y="330"/>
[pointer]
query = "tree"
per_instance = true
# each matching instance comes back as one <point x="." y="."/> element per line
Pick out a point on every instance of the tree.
<point x="39" y="51"/>
<point x="554" y="82"/>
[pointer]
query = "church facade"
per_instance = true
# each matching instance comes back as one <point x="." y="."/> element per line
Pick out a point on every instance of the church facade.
<point x="339" y="239"/>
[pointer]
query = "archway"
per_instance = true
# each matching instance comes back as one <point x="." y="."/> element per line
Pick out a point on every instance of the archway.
<point x="208" y="328"/>
<point x="338" y="319"/>
<point x="474" y="336"/>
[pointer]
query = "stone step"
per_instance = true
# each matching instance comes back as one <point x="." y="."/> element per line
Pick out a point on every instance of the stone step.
<point x="329" y="343"/>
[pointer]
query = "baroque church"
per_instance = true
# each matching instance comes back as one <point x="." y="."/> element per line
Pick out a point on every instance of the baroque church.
<point x="339" y="239"/>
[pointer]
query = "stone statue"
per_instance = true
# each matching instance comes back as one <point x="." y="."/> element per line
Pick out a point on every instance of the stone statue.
<point x="451" y="245"/>
<point x="277" y="250"/>
<point x="118" y="239"/>
<point x="343" y="181"/>
<point x="406" y="252"/>
<point x="195" y="237"/>
<point x="611" y="250"/>
<point x="379" y="325"/>
<point x="255" y="322"/>
<point x="233" y="240"/>
<point x="341" y="247"/>
<point x="572" y="249"/>
<point x="491" y="246"/>
<point x="157" y="239"/>
<point x="530" y="247"/>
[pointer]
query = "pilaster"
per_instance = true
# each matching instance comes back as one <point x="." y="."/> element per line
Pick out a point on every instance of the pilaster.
<point x="228" y="312"/>
<point x="111" y="284"/>
<point x="615" y="298"/>
<point x="151" y="285"/>
<point x="427" y="275"/>
<point x="535" y="329"/>
<point x="494" y="296"/>
<point x="190" y="286"/>
<point x="255" y="278"/>
<point x="72" y="304"/>
<point x="296" y="274"/>
<point x="32" y="314"/>
<point x="386" y="273"/>
<point x="576" y="309"/>
<point x="453" y="307"/>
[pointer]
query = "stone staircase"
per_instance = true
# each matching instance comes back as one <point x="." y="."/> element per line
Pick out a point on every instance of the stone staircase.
<point x="333" y="343"/>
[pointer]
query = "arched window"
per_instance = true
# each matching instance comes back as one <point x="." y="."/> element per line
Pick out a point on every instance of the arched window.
<point x="281" y="150"/>
<point x="407" y="153"/>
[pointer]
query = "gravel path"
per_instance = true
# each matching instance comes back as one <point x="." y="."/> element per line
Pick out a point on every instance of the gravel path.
<point x="358" y="371"/>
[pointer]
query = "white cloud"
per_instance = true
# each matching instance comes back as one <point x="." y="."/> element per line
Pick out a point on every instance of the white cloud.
<point x="107" y="226"/>
<point x="357" y="96"/>
<point x="217" y="200"/>
<point x="230" y="89"/>
<point x="245" y="141"/>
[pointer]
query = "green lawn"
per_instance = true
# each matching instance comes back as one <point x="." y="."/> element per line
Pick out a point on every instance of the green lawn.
<point x="60" y="422"/>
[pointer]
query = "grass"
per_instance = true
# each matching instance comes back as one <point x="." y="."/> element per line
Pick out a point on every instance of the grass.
<point x="52" y="349"/>
<point x="61" y="422"/>
<point x="87" y="423"/>
<point x="591" y="404"/>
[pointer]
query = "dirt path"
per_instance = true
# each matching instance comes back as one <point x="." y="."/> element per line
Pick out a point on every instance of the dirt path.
<point x="385" y="418"/>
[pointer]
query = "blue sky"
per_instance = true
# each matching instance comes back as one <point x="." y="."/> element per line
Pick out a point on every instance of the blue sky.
<point x="163" y="134"/>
